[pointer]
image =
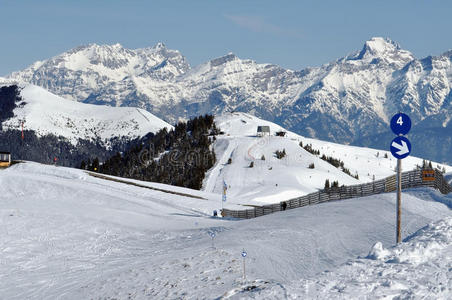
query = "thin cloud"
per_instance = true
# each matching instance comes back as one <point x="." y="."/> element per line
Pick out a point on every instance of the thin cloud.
<point x="259" y="24"/>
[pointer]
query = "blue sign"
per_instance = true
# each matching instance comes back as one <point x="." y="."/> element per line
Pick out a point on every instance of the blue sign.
<point x="400" y="124"/>
<point x="212" y="234"/>
<point x="400" y="147"/>
<point x="244" y="253"/>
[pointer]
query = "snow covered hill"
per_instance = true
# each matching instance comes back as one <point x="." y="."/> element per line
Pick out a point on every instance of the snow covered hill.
<point x="46" y="113"/>
<point x="273" y="180"/>
<point x="66" y="235"/>
<point x="349" y="100"/>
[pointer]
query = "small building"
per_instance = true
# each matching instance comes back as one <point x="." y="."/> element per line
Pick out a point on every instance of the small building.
<point x="5" y="159"/>
<point x="263" y="130"/>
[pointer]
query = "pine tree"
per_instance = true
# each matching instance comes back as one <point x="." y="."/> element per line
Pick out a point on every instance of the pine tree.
<point x="95" y="166"/>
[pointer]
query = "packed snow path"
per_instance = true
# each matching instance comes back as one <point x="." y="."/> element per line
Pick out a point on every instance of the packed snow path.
<point x="67" y="235"/>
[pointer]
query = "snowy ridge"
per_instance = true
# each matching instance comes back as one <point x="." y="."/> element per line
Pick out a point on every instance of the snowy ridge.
<point x="47" y="113"/>
<point x="349" y="100"/>
<point x="105" y="73"/>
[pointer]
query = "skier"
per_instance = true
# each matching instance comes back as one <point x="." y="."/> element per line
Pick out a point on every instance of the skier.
<point x="283" y="205"/>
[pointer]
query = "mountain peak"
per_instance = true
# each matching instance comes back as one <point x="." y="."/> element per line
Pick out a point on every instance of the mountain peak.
<point x="223" y="59"/>
<point x="380" y="43"/>
<point x="159" y="46"/>
<point x="379" y="49"/>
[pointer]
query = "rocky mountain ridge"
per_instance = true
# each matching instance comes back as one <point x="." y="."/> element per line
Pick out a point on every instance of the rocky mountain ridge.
<point x="349" y="100"/>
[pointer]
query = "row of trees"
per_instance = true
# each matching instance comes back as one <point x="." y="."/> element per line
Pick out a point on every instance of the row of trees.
<point x="329" y="159"/>
<point x="334" y="184"/>
<point x="9" y="99"/>
<point x="47" y="148"/>
<point x="179" y="157"/>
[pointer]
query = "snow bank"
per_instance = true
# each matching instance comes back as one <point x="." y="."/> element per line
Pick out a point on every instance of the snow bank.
<point x="418" y="268"/>
<point x="425" y="245"/>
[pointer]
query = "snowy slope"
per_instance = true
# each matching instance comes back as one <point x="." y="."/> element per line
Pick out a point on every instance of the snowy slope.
<point x="418" y="268"/>
<point x="273" y="180"/>
<point x="67" y="235"/>
<point x="349" y="100"/>
<point x="47" y="113"/>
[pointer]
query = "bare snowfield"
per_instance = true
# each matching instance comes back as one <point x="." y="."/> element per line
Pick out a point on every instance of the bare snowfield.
<point x="67" y="235"/>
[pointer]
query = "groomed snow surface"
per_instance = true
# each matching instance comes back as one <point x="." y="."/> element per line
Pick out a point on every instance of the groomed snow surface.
<point x="67" y="235"/>
<point x="273" y="180"/>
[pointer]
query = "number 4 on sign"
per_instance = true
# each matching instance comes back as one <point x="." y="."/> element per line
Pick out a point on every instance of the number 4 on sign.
<point x="400" y="124"/>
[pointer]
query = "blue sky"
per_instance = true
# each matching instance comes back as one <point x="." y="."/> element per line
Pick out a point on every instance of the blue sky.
<point x="293" y="34"/>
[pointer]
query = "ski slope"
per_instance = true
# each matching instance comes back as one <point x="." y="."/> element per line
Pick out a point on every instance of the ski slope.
<point x="47" y="113"/>
<point x="273" y="180"/>
<point x="418" y="268"/>
<point x="67" y="235"/>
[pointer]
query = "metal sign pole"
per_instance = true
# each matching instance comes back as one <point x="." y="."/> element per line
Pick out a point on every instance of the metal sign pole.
<point x="244" y="273"/>
<point x="400" y="148"/>
<point x="223" y="198"/>
<point x="212" y="236"/>
<point x="399" y="200"/>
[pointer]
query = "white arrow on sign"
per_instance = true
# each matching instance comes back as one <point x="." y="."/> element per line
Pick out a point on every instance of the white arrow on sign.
<point x="403" y="149"/>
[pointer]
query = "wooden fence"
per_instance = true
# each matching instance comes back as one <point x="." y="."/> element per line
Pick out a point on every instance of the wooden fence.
<point x="409" y="179"/>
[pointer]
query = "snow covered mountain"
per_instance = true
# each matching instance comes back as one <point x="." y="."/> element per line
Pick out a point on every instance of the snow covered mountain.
<point x="298" y="173"/>
<point x="46" y="113"/>
<point x="106" y="74"/>
<point x="349" y="100"/>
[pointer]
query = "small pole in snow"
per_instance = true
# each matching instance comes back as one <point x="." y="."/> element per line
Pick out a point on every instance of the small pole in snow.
<point x="244" y="270"/>
<point x="223" y="199"/>
<point x="399" y="200"/>
<point x="212" y="236"/>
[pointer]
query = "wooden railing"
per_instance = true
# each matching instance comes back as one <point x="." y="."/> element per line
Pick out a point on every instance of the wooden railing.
<point x="409" y="179"/>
